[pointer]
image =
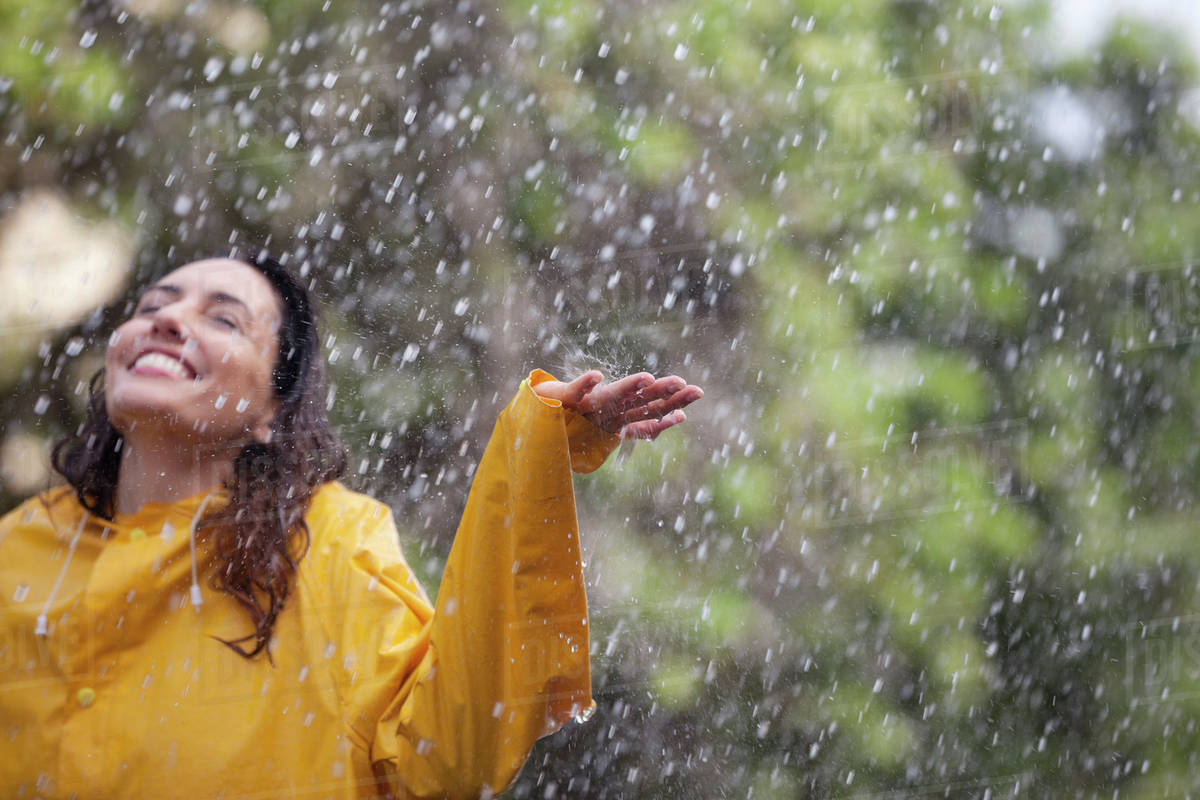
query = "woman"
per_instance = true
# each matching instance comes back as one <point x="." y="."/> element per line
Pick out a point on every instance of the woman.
<point x="204" y="611"/>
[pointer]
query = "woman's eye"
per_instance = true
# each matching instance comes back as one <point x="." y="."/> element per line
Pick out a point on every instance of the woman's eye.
<point x="147" y="309"/>
<point x="226" y="322"/>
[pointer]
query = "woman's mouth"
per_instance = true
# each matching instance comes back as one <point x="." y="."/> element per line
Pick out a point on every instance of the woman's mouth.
<point x="160" y="363"/>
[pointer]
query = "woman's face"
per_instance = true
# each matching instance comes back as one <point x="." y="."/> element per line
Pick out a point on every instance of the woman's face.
<point x="195" y="359"/>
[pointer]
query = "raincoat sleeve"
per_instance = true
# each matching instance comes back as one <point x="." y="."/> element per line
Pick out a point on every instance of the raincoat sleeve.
<point x="449" y="703"/>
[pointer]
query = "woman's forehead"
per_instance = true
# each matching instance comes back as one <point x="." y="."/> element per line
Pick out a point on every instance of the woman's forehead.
<point x="226" y="277"/>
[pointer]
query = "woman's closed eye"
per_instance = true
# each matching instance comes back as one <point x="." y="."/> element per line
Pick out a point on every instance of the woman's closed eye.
<point x="226" y="321"/>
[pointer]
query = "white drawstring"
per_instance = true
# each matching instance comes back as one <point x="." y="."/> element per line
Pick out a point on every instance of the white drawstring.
<point x="197" y="598"/>
<point x="42" y="628"/>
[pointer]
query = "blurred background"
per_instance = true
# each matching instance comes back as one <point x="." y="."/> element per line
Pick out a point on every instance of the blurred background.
<point x="930" y="532"/>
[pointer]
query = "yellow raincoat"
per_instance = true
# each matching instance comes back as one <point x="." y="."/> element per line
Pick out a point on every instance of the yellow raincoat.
<point x="129" y="695"/>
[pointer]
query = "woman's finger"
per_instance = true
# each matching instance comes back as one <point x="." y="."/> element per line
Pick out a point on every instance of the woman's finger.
<point x="626" y="396"/>
<point x="631" y="400"/>
<point x="575" y="392"/>
<point x="609" y="398"/>
<point x="658" y="390"/>
<point x="678" y="397"/>
<point x="651" y="428"/>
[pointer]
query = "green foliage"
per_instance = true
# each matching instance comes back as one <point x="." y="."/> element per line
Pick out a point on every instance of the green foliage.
<point x="55" y="75"/>
<point x="658" y="151"/>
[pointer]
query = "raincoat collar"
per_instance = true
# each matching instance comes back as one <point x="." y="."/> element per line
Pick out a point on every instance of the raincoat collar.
<point x="178" y="512"/>
<point x="65" y="510"/>
<point x="186" y="512"/>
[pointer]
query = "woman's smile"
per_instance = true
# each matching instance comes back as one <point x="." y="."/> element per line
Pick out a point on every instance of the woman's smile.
<point x="161" y="362"/>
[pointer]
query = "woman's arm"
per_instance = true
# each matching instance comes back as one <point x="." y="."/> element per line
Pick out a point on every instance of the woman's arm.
<point x="504" y="659"/>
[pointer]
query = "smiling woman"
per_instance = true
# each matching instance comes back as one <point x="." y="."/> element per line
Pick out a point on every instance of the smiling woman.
<point x="216" y="380"/>
<point x="314" y="665"/>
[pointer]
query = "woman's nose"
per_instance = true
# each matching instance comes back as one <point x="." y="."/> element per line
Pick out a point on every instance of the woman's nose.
<point x="170" y="322"/>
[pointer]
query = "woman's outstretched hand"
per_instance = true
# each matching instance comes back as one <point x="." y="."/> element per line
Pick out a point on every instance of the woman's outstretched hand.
<point x="637" y="406"/>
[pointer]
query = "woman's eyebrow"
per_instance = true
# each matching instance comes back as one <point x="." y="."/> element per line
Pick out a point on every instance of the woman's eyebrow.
<point x="225" y="297"/>
<point x="169" y="288"/>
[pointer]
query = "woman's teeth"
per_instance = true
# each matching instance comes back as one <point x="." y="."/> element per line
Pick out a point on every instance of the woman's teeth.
<point x="162" y="362"/>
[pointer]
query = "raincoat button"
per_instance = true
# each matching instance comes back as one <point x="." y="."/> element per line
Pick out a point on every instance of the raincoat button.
<point x="137" y="535"/>
<point x="85" y="696"/>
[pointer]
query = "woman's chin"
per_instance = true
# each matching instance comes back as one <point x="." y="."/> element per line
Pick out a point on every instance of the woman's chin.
<point x="134" y="412"/>
<point x="156" y="426"/>
<point x="139" y="420"/>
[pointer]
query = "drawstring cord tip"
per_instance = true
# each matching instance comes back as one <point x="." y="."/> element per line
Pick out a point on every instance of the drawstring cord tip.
<point x="197" y="599"/>
<point x="42" y="628"/>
